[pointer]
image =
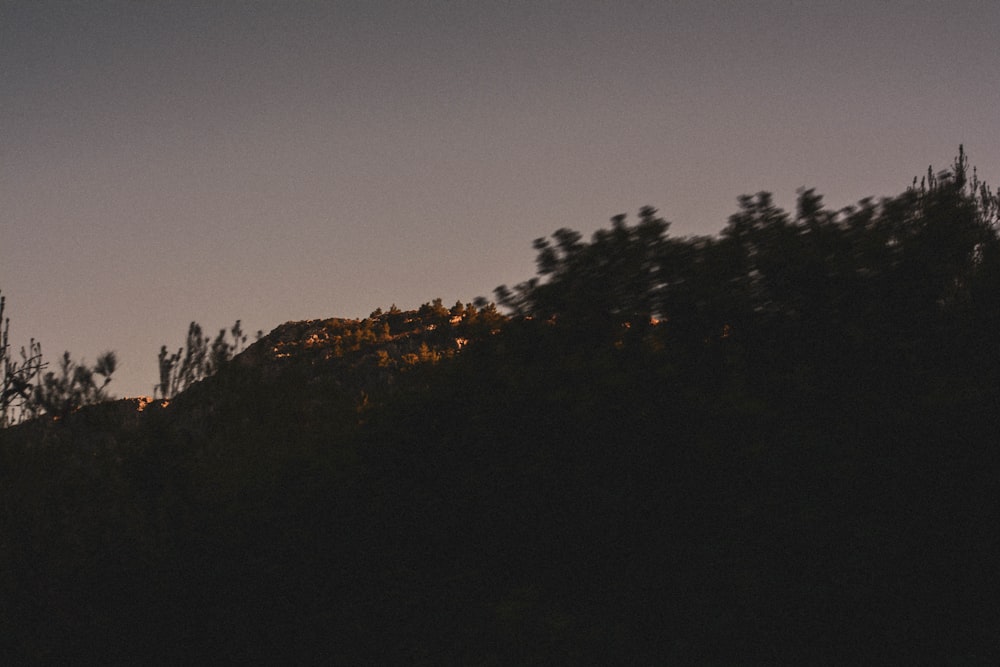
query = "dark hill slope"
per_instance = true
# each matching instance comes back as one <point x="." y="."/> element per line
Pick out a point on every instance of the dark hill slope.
<point x="682" y="451"/>
<point x="537" y="498"/>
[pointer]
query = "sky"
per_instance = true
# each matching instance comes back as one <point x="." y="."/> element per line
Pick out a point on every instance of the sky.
<point x="175" y="161"/>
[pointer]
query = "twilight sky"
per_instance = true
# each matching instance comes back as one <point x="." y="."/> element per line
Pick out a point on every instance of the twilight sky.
<point x="162" y="162"/>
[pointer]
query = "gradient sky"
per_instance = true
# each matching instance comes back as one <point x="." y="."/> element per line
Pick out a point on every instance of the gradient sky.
<point x="162" y="162"/>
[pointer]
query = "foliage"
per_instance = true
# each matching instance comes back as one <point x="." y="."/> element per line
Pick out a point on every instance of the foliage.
<point x="27" y="393"/>
<point x="614" y="279"/>
<point x="73" y="386"/>
<point x="200" y="357"/>
<point x="17" y="378"/>
<point x="771" y="446"/>
<point x="787" y="297"/>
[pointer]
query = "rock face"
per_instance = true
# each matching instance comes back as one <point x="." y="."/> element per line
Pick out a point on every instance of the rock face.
<point x="371" y="351"/>
<point x="398" y="334"/>
<point x="352" y="357"/>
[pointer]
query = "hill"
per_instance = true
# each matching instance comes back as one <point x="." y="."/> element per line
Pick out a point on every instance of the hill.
<point x="774" y="446"/>
<point x="328" y="498"/>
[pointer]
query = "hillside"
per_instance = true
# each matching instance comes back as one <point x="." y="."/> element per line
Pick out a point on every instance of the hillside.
<point x="527" y="501"/>
<point x="774" y="446"/>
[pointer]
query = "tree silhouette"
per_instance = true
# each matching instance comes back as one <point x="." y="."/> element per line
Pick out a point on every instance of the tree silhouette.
<point x="200" y="357"/>
<point x="17" y="378"/>
<point x="27" y="393"/>
<point x="74" y="385"/>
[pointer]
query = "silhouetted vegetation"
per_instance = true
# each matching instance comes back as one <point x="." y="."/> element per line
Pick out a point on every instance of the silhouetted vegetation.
<point x="772" y="446"/>
<point x="28" y="393"/>
<point x="200" y="357"/>
<point x="73" y="386"/>
<point x="18" y="377"/>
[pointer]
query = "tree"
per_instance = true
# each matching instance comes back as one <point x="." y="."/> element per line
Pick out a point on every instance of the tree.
<point x="791" y="297"/>
<point x="73" y="386"/>
<point x="615" y="280"/>
<point x="17" y="378"/>
<point x="25" y="393"/>
<point x="197" y="359"/>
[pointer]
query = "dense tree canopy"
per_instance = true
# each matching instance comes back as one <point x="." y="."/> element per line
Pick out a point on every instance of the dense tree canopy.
<point x="792" y="295"/>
